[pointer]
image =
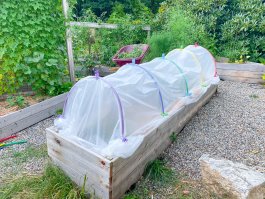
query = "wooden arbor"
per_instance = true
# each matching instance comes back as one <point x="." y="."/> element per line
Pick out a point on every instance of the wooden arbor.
<point x="69" y="41"/>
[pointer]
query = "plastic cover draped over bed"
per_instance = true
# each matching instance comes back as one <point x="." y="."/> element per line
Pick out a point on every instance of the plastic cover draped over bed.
<point x="110" y="113"/>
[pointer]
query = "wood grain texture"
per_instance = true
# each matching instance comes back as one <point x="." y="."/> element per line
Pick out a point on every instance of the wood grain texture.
<point x="102" y="25"/>
<point x="78" y="162"/>
<point x="249" y="72"/>
<point x="115" y="177"/>
<point x="19" y="120"/>
<point x="69" y="44"/>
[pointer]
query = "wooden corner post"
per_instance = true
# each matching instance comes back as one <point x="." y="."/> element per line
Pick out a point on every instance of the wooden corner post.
<point x="71" y="66"/>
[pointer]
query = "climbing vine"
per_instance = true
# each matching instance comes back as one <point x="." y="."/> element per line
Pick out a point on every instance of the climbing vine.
<point x="32" y="46"/>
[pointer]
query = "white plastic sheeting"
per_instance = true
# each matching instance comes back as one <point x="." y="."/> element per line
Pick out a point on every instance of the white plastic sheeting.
<point x="109" y="113"/>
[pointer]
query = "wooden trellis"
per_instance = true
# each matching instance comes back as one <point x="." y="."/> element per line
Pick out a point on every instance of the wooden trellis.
<point x="69" y="40"/>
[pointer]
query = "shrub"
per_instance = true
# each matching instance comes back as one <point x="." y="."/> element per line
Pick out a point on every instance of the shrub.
<point x="179" y="30"/>
<point x="32" y="46"/>
<point x="244" y="34"/>
<point x="238" y="26"/>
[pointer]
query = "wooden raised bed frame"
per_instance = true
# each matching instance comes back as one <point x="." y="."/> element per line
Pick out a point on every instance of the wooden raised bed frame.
<point x="111" y="178"/>
<point x="248" y="72"/>
<point x="21" y="119"/>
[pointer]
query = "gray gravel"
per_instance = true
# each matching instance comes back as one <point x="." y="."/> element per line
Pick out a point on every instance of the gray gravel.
<point x="26" y="158"/>
<point x="231" y="125"/>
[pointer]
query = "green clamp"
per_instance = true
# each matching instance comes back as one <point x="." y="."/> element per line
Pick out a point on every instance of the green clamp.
<point x="203" y="84"/>
<point x="164" y="114"/>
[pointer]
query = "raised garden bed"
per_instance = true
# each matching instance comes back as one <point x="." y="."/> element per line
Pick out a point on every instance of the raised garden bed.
<point x="21" y="119"/>
<point x="111" y="178"/>
<point x="248" y="72"/>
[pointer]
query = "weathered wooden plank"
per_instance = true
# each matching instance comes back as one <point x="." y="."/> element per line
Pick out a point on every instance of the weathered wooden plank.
<point x="102" y="25"/>
<point x="94" y="157"/>
<point x="33" y="109"/>
<point x="78" y="177"/>
<point x="249" y="72"/>
<point x="19" y="120"/>
<point x="255" y="67"/>
<point x="242" y="79"/>
<point x="237" y="73"/>
<point x="79" y="162"/>
<point x="69" y="44"/>
<point x="133" y="167"/>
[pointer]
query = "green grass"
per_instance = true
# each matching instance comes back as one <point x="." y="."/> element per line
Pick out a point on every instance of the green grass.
<point x="59" y="111"/>
<point x="30" y="152"/>
<point x="53" y="184"/>
<point x="254" y="96"/>
<point x="159" y="181"/>
<point x="158" y="172"/>
<point x="173" y="137"/>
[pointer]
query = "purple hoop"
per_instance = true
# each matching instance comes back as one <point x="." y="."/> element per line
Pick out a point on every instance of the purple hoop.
<point x="118" y="100"/>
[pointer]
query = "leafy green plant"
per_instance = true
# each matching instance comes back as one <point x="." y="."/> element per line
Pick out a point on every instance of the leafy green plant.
<point x="59" y="111"/>
<point x="173" y="137"/>
<point x="177" y="30"/>
<point x="52" y="184"/>
<point x="136" y="52"/>
<point x="97" y="47"/>
<point x="237" y="26"/>
<point x="32" y="46"/>
<point x="243" y="33"/>
<point x="16" y="101"/>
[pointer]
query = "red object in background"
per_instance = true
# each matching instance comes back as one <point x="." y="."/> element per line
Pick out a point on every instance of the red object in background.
<point x="127" y="49"/>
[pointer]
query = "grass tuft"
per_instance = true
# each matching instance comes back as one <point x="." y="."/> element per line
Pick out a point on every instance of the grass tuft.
<point x="52" y="184"/>
<point x="173" y="137"/>
<point x="254" y="96"/>
<point x="157" y="171"/>
<point x="30" y="152"/>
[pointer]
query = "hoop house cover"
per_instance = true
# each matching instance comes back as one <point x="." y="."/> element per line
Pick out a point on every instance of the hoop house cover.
<point x="110" y="114"/>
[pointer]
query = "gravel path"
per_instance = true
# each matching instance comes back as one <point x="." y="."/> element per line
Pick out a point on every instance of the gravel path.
<point x="26" y="158"/>
<point x="231" y="125"/>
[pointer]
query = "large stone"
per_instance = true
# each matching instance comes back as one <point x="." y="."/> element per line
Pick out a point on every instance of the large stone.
<point x="232" y="180"/>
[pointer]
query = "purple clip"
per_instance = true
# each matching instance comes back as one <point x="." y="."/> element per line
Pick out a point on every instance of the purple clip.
<point x="124" y="139"/>
<point x="97" y="74"/>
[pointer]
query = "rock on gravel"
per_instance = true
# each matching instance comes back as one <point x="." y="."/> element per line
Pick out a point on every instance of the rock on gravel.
<point x="232" y="180"/>
<point x="231" y="125"/>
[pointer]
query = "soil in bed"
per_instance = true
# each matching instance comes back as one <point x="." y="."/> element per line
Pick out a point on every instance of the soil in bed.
<point x="10" y="104"/>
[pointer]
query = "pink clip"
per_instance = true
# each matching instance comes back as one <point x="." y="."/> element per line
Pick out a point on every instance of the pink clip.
<point x="196" y="44"/>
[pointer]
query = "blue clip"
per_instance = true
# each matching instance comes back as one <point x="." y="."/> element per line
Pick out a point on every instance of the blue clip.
<point x="189" y="94"/>
<point x="133" y="61"/>
<point x="97" y="74"/>
<point x="163" y="55"/>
